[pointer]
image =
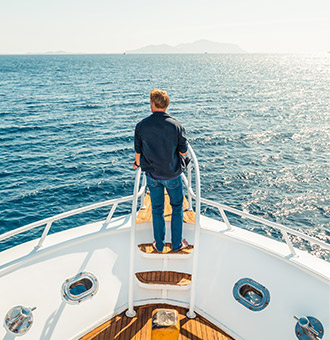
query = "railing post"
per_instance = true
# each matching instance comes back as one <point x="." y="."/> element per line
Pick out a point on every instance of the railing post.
<point x="44" y="234"/>
<point x="288" y="242"/>
<point x="131" y="312"/>
<point x="225" y="219"/>
<point x="109" y="217"/>
<point x="191" y="313"/>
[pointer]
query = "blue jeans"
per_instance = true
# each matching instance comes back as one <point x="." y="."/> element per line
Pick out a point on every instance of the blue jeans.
<point x="174" y="189"/>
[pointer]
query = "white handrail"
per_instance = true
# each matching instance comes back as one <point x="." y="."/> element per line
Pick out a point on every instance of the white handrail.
<point x="188" y="186"/>
<point x="64" y="215"/>
<point x="284" y="230"/>
<point x="275" y="225"/>
<point x="191" y="313"/>
<point x="131" y="312"/>
<point x="48" y="221"/>
<point x="144" y="184"/>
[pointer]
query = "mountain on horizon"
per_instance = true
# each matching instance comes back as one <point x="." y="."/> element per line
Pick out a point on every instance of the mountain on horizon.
<point x="198" y="47"/>
<point x="49" y="52"/>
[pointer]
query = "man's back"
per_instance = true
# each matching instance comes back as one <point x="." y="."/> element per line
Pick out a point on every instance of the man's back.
<point x="159" y="138"/>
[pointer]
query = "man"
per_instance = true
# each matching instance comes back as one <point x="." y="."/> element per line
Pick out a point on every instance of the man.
<point x="159" y="141"/>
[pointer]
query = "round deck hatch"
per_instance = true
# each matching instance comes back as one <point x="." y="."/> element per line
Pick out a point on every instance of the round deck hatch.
<point x="251" y="294"/>
<point x="80" y="287"/>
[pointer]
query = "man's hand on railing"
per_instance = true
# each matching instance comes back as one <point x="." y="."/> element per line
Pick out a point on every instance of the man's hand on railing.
<point x="136" y="163"/>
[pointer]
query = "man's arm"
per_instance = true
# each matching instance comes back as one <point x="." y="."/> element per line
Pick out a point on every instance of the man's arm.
<point x="137" y="147"/>
<point x="183" y="143"/>
<point x="136" y="163"/>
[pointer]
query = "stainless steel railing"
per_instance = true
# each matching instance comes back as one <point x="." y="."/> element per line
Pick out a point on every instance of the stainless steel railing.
<point x="223" y="208"/>
<point x="191" y="195"/>
<point x="49" y="221"/>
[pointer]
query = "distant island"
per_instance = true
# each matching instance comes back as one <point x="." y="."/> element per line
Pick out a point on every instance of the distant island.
<point x="202" y="46"/>
<point x="40" y="53"/>
<point x="50" y="52"/>
<point x="197" y="47"/>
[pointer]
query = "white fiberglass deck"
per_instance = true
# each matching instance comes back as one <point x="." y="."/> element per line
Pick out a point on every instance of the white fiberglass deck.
<point x="298" y="286"/>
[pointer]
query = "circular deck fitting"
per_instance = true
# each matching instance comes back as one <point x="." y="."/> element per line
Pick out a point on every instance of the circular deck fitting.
<point x="19" y="319"/>
<point x="309" y="328"/>
<point x="79" y="287"/>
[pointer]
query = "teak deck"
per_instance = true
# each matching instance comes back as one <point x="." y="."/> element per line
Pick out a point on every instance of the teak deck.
<point x="121" y="327"/>
<point x="164" y="278"/>
<point x="149" y="249"/>
<point x="145" y="215"/>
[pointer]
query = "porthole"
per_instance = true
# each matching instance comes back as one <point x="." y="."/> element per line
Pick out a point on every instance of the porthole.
<point x="80" y="287"/>
<point x="251" y="294"/>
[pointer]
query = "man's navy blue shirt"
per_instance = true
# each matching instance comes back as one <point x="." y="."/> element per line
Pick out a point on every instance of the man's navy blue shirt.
<point x="159" y="138"/>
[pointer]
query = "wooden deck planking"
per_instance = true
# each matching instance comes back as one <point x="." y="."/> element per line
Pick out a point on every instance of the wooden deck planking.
<point x="164" y="277"/>
<point x="149" y="249"/>
<point x="145" y="215"/>
<point x="121" y="327"/>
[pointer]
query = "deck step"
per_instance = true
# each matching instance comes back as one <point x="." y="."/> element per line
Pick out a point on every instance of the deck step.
<point x="147" y="250"/>
<point x="163" y="280"/>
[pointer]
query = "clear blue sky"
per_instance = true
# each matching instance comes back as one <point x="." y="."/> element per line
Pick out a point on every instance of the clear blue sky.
<point x="111" y="26"/>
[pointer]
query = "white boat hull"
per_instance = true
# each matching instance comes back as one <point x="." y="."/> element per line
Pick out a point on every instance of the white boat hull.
<point x="297" y="285"/>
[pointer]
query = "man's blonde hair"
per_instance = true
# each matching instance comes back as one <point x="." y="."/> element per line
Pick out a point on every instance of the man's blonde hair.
<point x="159" y="98"/>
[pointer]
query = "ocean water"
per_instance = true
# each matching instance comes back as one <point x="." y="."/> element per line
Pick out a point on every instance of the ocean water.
<point x="259" y="124"/>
